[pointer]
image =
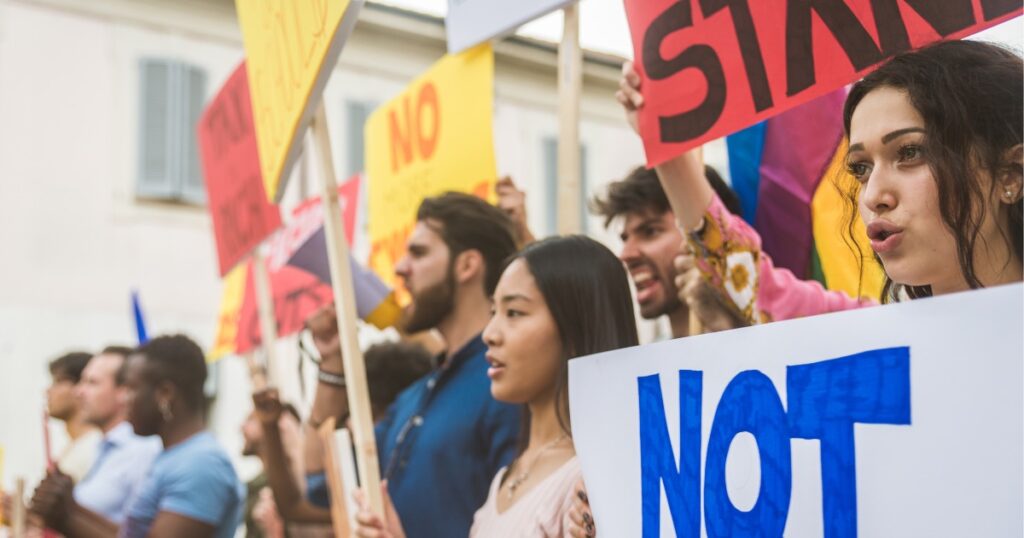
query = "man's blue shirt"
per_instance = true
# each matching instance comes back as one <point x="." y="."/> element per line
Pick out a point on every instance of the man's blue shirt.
<point x="442" y="442"/>
<point x="122" y="463"/>
<point x="194" y="479"/>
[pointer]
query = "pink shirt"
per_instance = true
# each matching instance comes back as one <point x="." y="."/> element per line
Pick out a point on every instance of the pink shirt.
<point x="536" y="514"/>
<point x="728" y="254"/>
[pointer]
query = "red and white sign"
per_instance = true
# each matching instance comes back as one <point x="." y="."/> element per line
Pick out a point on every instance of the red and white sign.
<point x="241" y="214"/>
<point x="713" y="67"/>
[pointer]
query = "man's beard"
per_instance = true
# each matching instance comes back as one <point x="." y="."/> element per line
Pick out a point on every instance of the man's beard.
<point x="669" y="303"/>
<point x="432" y="305"/>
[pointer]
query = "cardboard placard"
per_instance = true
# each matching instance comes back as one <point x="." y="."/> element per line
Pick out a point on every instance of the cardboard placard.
<point x="436" y="136"/>
<point x="711" y="68"/>
<point x="241" y="214"/>
<point x="898" y="420"/>
<point x="471" y="22"/>
<point x="292" y="48"/>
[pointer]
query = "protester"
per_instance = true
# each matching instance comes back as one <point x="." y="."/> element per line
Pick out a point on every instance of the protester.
<point x="445" y="434"/>
<point x="191" y="488"/>
<point x="288" y="423"/>
<point x="935" y="145"/>
<point x="124" y="458"/>
<point x="544" y="316"/>
<point x="959" y="226"/>
<point x="650" y="243"/>
<point x="390" y="368"/>
<point x="83" y="438"/>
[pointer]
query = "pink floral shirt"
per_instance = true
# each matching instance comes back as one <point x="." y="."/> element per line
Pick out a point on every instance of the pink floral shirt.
<point x="728" y="254"/>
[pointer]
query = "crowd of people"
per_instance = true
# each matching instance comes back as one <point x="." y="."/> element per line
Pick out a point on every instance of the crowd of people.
<point x="476" y="440"/>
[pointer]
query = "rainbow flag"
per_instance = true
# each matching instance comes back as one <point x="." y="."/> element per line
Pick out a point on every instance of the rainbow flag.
<point x="788" y="171"/>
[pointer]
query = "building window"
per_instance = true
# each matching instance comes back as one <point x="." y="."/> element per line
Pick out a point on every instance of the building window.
<point x="550" y="155"/>
<point x="172" y="97"/>
<point x="356" y="113"/>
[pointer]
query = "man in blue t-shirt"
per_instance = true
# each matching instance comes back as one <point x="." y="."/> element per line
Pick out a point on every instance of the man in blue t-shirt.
<point x="445" y="437"/>
<point x="191" y="488"/>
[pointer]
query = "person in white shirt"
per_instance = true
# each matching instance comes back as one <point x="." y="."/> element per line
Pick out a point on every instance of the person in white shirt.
<point x="124" y="458"/>
<point x="83" y="438"/>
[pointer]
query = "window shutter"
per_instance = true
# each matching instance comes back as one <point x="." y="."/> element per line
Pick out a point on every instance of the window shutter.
<point x="193" y="92"/>
<point x="356" y="113"/>
<point x="155" y="141"/>
<point x="549" y="154"/>
<point x="584" y="190"/>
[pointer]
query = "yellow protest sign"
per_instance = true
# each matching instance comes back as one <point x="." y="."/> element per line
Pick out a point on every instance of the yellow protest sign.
<point x="232" y="296"/>
<point x="291" y="48"/>
<point x="436" y="136"/>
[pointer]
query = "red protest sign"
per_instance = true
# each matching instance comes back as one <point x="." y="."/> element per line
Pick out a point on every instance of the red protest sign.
<point x="241" y="214"/>
<point x="713" y="67"/>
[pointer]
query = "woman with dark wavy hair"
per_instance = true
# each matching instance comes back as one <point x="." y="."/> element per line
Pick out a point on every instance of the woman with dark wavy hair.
<point x="558" y="299"/>
<point x="935" y="145"/>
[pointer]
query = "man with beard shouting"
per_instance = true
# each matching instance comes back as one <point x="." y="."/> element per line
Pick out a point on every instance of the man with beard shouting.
<point x="445" y="437"/>
<point x="650" y="242"/>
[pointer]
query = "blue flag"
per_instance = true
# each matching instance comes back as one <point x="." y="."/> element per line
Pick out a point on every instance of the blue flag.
<point x="140" y="322"/>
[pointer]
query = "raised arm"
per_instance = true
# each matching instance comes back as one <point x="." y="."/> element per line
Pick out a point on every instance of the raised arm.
<point x="276" y="464"/>
<point x="726" y="250"/>
<point x="682" y="177"/>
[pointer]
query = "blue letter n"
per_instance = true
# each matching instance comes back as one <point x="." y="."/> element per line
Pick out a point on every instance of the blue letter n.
<point x="658" y="464"/>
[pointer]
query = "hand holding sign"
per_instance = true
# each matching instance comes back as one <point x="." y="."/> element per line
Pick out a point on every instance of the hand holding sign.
<point x="629" y="95"/>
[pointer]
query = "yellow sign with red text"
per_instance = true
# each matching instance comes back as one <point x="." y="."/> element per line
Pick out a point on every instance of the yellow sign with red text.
<point x="291" y="49"/>
<point x="436" y="136"/>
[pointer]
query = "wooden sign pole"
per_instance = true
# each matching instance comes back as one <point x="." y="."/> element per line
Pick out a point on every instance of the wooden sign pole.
<point x="570" y="85"/>
<point x="18" y="509"/>
<point x="695" y="325"/>
<point x="345" y="304"/>
<point x="339" y="504"/>
<point x="268" y="321"/>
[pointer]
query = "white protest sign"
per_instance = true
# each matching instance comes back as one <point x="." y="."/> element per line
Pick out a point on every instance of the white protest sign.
<point x="471" y="22"/>
<point x="900" y="420"/>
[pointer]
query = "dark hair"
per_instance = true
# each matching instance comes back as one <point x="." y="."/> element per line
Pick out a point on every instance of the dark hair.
<point x="969" y="95"/>
<point x="391" y="367"/>
<point x="469" y="223"/>
<point x="120" y="351"/>
<point x="641" y="191"/>
<point x="179" y="360"/>
<point x="587" y="292"/>
<point x="70" y="365"/>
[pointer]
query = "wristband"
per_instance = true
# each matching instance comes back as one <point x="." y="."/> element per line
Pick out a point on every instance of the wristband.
<point x="330" y="378"/>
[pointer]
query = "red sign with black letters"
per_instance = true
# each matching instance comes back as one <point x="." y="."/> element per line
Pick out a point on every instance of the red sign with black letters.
<point x="242" y="216"/>
<point x="713" y="67"/>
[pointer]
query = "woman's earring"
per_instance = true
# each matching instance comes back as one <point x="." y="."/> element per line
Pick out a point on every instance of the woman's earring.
<point x="165" y="411"/>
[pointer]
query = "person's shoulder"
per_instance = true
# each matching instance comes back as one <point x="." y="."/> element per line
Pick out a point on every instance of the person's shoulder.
<point x="201" y="451"/>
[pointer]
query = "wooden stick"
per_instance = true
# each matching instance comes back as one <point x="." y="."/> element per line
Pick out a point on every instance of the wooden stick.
<point x="257" y="372"/>
<point x="268" y="320"/>
<point x="345" y="304"/>
<point x="18" y="509"/>
<point x="570" y="85"/>
<point x="339" y="505"/>
<point x="696" y="327"/>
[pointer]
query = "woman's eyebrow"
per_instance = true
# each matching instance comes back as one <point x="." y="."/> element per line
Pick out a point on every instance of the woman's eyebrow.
<point x="512" y="297"/>
<point x="886" y="138"/>
<point x="900" y="132"/>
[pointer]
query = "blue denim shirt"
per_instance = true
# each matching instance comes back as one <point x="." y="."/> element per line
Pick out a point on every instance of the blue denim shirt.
<point x="442" y="442"/>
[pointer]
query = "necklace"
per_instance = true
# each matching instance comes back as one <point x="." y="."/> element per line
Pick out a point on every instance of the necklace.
<point x="518" y="480"/>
